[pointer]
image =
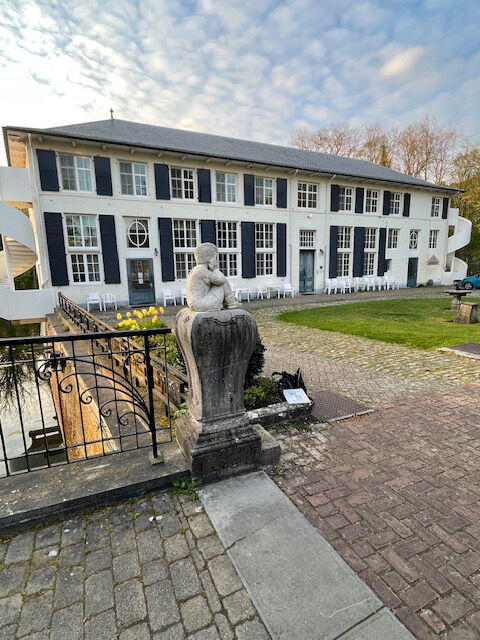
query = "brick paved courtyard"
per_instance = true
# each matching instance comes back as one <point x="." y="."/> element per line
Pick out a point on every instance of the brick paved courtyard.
<point x="397" y="491"/>
<point x="146" y="569"/>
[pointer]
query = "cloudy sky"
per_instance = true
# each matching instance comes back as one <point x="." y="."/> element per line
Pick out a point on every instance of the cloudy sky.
<point x="244" y="68"/>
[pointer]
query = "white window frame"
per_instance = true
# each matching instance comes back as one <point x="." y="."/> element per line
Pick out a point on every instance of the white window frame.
<point x="392" y="238"/>
<point x="84" y="250"/>
<point x="136" y="187"/>
<point x="433" y="238"/>
<point x="261" y="189"/>
<point x="228" y="243"/>
<point x="396" y="201"/>
<point x="307" y="192"/>
<point x="184" y="251"/>
<point x="413" y="239"/>
<point x="306" y="239"/>
<point x="129" y="222"/>
<point x="184" y="180"/>
<point x="371" y="200"/>
<point x="436" y="207"/>
<point x="76" y="170"/>
<point x="345" y="252"/>
<point x="235" y="178"/>
<point x="345" y="197"/>
<point x="370" y="251"/>
<point x="265" y="249"/>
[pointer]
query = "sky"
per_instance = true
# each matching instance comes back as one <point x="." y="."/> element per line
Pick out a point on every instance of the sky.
<point x="254" y="69"/>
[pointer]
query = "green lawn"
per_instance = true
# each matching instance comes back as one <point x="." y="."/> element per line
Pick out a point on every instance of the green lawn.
<point x="420" y="323"/>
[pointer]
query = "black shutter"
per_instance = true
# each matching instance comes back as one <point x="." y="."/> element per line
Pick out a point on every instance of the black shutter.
<point x="166" y="249"/>
<point x="281" y="249"/>
<point x="56" y="249"/>
<point x="334" y="197"/>
<point x="204" y="185"/>
<point x="445" y="208"/>
<point x="359" y="193"/>
<point x="162" y="181"/>
<point x="358" y="251"/>
<point x="1" y="242"/>
<point x="248" y="250"/>
<point x="332" y="271"/>
<point x="387" y="196"/>
<point x="248" y="190"/>
<point x="382" y="244"/>
<point x="282" y="193"/>
<point x="406" y="205"/>
<point x="111" y="267"/>
<point x="103" y="176"/>
<point x="47" y="166"/>
<point x="208" y="231"/>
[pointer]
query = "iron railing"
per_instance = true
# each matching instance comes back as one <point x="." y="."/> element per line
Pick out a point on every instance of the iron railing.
<point x="66" y="398"/>
<point x="163" y="371"/>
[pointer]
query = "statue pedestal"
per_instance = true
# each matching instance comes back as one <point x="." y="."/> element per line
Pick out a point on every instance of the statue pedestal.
<point x="215" y="434"/>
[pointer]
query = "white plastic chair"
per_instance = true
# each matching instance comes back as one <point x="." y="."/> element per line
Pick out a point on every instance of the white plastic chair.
<point x="358" y="284"/>
<point x="261" y="291"/>
<point x="288" y="289"/>
<point x="183" y="295"/>
<point x="109" y="298"/>
<point x="169" y="295"/>
<point x="369" y="283"/>
<point x="347" y="284"/>
<point x="332" y="285"/>
<point x="94" y="298"/>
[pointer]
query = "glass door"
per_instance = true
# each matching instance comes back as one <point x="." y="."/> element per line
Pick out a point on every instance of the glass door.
<point x="141" y="287"/>
<point x="307" y="259"/>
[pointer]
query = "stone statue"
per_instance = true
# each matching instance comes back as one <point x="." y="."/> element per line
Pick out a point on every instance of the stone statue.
<point x="207" y="288"/>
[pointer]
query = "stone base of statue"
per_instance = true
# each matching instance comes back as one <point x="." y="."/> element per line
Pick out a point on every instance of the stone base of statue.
<point x="215" y="434"/>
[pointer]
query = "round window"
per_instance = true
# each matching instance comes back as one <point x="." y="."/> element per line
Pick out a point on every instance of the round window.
<point x="137" y="234"/>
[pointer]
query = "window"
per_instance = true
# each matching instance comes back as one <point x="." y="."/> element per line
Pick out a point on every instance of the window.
<point x="184" y="238"/>
<point x="227" y="242"/>
<point x="307" y="195"/>
<point x="226" y="187"/>
<point x="392" y="239"/>
<point x="395" y="203"/>
<point x="81" y="231"/>
<point x="85" y="267"/>
<point x="264" y="245"/>
<point x="371" y="201"/>
<point x="307" y="239"/>
<point x="183" y="183"/>
<point x="370" y="251"/>
<point x="435" y="211"/>
<point x="413" y="244"/>
<point x="345" y="199"/>
<point x="344" y="252"/>
<point x="133" y="179"/>
<point x="76" y="173"/>
<point x="137" y="234"/>
<point x="263" y="190"/>
<point x="433" y="239"/>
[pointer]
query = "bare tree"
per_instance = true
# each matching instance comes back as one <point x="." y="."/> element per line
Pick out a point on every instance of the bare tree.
<point x="338" y="139"/>
<point x="377" y="145"/>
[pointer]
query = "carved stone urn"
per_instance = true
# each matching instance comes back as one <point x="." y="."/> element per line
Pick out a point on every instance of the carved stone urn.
<point x="215" y="434"/>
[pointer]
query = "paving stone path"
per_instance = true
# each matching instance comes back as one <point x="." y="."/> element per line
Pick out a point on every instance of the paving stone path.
<point x="397" y="491"/>
<point x="146" y="569"/>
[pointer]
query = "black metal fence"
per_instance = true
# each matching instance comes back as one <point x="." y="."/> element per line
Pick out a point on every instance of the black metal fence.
<point x="71" y="397"/>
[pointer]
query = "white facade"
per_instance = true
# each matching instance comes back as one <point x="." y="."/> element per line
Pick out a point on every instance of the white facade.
<point x="307" y="227"/>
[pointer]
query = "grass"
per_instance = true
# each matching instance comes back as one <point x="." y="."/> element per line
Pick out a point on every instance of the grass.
<point x="421" y="323"/>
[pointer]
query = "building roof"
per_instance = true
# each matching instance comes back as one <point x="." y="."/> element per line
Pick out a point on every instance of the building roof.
<point x="178" y="140"/>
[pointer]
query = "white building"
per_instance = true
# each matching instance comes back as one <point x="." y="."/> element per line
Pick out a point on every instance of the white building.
<point x="117" y="206"/>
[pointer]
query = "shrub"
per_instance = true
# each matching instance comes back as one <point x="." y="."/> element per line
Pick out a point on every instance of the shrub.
<point x="260" y="393"/>
<point x="256" y="363"/>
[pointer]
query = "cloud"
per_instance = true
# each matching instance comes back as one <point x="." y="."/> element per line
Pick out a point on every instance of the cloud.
<point x="244" y="68"/>
<point x="402" y="62"/>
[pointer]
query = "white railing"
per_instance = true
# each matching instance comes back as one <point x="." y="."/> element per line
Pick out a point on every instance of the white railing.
<point x="462" y="235"/>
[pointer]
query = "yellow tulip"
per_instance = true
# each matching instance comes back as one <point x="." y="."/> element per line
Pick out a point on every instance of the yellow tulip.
<point x="129" y="315"/>
<point x="145" y="312"/>
<point x="119" y="316"/>
<point x="161" y="309"/>
<point x="155" y="319"/>
<point x="152" y="311"/>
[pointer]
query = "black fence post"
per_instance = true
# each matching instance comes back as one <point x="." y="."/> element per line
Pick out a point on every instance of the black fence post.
<point x="151" y="407"/>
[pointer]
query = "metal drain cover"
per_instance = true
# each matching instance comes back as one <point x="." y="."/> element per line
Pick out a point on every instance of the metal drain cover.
<point x="331" y="406"/>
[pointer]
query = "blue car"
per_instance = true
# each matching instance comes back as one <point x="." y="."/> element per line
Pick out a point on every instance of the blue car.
<point x="472" y="282"/>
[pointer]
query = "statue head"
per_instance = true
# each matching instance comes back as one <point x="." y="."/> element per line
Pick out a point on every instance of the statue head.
<point x="207" y="253"/>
